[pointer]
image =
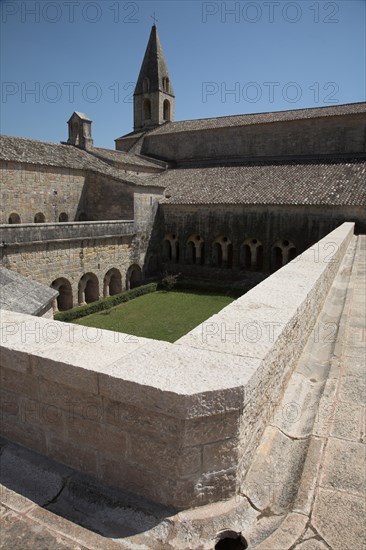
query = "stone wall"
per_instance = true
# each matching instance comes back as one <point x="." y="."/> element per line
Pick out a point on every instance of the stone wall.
<point x="302" y="226"/>
<point x="47" y="252"/>
<point x="29" y="189"/>
<point x="317" y="136"/>
<point x="177" y="423"/>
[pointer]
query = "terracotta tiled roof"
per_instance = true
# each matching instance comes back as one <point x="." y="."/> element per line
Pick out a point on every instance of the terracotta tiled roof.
<point x="313" y="182"/>
<point x="30" y="151"/>
<point x="258" y="118"/>
<point x="122" y="157"/>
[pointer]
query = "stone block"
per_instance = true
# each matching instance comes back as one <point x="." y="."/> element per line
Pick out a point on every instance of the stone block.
<point x="339" y="517"/>
<point x="163" y="458"/>
<point x="72" y="453"/>
<point x="209" y="429"/>
<point x="220" y="456"/>
<point x="130" y="418"/>
<point x="344" y="467"/>
<point x="353" y="390"/>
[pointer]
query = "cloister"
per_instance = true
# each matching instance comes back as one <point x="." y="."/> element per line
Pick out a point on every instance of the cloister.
<point x="250" y="253"/>
<point x="88" y="289"/>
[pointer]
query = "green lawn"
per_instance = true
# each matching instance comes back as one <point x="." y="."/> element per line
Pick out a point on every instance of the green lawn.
<point x="159" y="315"/>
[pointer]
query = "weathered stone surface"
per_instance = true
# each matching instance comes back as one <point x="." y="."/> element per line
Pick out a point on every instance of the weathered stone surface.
<point x="311" y="544"/>
<point x="309" y="476"/>
<point x="273" y="478"/>
<point x="21" y="533"/>
<point x="220" y="455"/>
<point x="347" y="423"/>
<point x="31" y="476"/>
<point x="344" y="466"/>
<point x="339" y="519"/>
<point x="353" y="389"/>
<point x="286" y="535"/>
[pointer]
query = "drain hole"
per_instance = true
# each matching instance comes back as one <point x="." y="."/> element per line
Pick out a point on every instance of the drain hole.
<point x="230" y="540"/>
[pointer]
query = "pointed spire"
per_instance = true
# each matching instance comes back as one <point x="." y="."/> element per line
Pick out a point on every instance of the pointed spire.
<point x="153" y="68"/>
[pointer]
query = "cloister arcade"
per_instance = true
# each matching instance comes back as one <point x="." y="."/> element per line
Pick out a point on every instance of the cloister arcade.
<point x="87" y="289"/>
<point x="222" y="252"/>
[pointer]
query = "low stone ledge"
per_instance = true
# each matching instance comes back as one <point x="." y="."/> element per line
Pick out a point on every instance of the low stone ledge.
<point x="189" y="414"/>
<point x="22" y="234"/>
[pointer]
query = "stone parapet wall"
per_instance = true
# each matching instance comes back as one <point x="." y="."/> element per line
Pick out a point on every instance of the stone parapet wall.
<point x="176" y="423"/>
<point x="306" y="137"/>
<point x="68" y="251"/>
<point x="32" y="233"/>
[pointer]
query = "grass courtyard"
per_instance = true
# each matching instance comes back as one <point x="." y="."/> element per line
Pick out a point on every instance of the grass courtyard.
<point x="160" y="315"/>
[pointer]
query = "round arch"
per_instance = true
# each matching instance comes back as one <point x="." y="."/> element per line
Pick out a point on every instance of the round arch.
<point x="14" y="218"/>
<point x="195" y="249"/>
<point x="283" y="251"/>
<point x="64" y="300"/>
<point x="63" y="217"/>
<point x="112" y="283"/>
<point x="166" y="110"/>
<point x="133" y="276"/>
<point x="88" y="289"/>
<point x="39" y="218"/>
<point x="222" y="252"/>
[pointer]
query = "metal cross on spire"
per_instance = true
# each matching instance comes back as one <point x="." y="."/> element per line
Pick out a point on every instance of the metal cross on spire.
<point x="154" y="19"/>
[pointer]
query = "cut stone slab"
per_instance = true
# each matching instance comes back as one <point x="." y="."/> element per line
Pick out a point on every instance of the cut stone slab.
<point x="353" y="390"/>
<point x="311" y="544"/>
<point x="307" y="486"/>
<point x="273" y="477"/>
<point x="30" y="476"/>
<point x="339" y="518"/>
<point x="18" y="533"/>
<point x="17" y="293"/>
<point x="286" y="535"/>
<point x="347" y="422"/>
<point x="344" y="466"/>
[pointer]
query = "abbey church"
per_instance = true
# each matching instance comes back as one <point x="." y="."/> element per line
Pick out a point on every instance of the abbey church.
<point x="212" y="198"/>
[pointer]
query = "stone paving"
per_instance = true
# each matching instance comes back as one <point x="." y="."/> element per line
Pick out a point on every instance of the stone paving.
<point x="305" y="489"/>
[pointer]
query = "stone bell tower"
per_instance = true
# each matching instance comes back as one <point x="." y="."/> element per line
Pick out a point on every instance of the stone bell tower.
<point x="154" y="95"/>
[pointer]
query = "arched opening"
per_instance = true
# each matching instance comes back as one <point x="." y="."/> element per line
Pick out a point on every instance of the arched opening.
<point x="88" y="289"/>
<point x="230" y="255"/>
<point x="217" y="254"/>
<point x="177" y="251"/>
<point x="259" y="263"/>
<point x="147" y="109"/>
<point x="166" y="84"/>
<point x="75" y="132"/>
<point x="195" y="250"/>
<point x="202" y="259"/>
<point x="167" y="250"/>
<point x="64" y="299"/>
<point x="39" y="218"/>
<point x="191" y="252"/>
<point x="166" y="109"/>
<point x="277" y="259"/>
<point x="292" y="253"/>
<point x="81" y="217"/>
<point x="288" y="253"/>
<point x="14" y="218"/>
<point x="246" y="256"/>
<point x="63" y="217"/>
<point x="112" y="283"/>
<point x="146" y="85"/>
<point x="133" y="277"/>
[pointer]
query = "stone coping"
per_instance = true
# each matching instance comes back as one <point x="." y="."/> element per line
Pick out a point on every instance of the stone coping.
<point x="209" y="396"/>
<point x="221" y="355"/>
<point x="12" y="234"/>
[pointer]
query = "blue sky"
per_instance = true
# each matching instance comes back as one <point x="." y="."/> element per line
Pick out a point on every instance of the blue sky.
<point x="223" y="58"/>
